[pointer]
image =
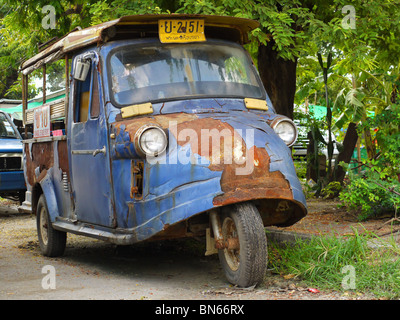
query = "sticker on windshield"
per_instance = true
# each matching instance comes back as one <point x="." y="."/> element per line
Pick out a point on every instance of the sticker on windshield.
<point x="181" y="31"/>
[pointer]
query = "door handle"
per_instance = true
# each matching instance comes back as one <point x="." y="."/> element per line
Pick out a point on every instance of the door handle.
<point x="97" y="151"/>
<point x="92" y="152"/>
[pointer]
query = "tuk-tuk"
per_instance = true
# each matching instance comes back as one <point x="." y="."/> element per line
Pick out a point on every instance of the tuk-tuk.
<point x="165" y="131"/>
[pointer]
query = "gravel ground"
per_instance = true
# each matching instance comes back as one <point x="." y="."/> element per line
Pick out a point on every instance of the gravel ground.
<point x="92" y="269"/>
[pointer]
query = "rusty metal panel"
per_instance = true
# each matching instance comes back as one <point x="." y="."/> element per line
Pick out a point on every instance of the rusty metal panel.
<point x="39" y="159"/>
<point x="46" y="165"/>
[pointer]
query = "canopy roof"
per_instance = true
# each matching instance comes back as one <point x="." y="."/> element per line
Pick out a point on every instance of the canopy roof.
<point x="137" y="26"/>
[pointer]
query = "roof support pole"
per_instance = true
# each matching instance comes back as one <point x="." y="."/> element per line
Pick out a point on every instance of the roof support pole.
<point x="24" y="100"/>
<point x="66" y="91"/>
<point x="44" y="83"/>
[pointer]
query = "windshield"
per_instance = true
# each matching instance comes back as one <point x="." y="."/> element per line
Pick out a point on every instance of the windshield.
<point x="174" y="71"/>
<point x="6" y="129"/>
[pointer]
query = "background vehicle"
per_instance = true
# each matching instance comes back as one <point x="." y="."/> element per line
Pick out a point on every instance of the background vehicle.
<point x="12" y="181"/>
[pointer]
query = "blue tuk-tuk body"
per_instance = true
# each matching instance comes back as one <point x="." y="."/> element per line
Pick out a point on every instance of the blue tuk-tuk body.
<point x="155" y="145"/>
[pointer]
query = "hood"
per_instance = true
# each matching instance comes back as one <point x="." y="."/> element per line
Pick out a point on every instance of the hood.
<point x="10" y="146"/>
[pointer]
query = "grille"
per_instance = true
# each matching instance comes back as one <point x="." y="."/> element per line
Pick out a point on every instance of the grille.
<point x="10" y="163"/>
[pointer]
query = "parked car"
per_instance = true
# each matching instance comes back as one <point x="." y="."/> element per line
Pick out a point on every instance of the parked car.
<point x="12" y="181"/>
<point x="300" y="147"/>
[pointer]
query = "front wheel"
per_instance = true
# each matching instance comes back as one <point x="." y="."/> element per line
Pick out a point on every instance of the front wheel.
<point x="52" y="242"/>
<point x="244" y="264"/>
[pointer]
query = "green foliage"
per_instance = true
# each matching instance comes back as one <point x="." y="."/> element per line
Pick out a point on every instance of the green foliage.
<point x="377" y="190"/>
<point x="102" y="11"/>
<point x="322" y="262"/>
<point x="387" y="126"/>
<point x="370" y="195"/>
<point x="301" y="169"/>
<point x="278" y="20"/>
<point x="332" y="190"/>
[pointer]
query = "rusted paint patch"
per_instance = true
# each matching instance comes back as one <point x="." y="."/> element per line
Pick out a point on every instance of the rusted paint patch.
<point x="212" y="139"/>
<point x="63" y="156"/>
<point x="178" y="230"/>
<point x="259" y="183"/>
<point x="41" y="158"/>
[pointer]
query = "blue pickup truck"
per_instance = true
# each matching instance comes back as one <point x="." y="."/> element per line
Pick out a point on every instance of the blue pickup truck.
<point x="12" y="182"/>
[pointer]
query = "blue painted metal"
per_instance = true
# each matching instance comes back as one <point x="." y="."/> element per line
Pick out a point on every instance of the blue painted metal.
<point x="10" y="146"/>
<point x="172" y="192"/>
<point x="175" y="192"/>
<point x="11" y="180"/>
<point x="90" y="175"/>
<point x="50" y="192"/>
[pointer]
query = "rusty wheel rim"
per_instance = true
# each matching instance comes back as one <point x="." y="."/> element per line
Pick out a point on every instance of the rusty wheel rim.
<point x="231" y="255"/>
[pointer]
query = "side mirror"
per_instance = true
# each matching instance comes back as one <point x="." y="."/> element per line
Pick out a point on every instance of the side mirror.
<point x="81" y="69"/>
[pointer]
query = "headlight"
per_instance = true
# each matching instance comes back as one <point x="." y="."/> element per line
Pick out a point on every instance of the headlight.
<point x="286" y="130"/>
<point x="151" y="141"/>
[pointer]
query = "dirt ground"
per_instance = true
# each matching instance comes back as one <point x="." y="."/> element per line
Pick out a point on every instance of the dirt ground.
<point x="174" y="270"/>
<point x="327" y="217"/>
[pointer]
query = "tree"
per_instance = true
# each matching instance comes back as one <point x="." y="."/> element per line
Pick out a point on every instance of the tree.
<point x="26" y="19"/>
<point x="289" y="30"/>
<point x="276" y="44"/>
<point x="365" y="58"/>
<point x="24" y="28"/>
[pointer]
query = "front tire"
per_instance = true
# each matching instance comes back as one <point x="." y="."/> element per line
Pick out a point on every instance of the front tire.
<point x="52" y="242"/>
<point x="244" y="266"/>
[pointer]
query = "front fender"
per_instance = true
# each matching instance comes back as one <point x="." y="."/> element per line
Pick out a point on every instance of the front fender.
<point x="48" y="190"/>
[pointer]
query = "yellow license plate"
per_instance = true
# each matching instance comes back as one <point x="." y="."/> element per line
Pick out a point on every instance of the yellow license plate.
<point x="179" y="30"/>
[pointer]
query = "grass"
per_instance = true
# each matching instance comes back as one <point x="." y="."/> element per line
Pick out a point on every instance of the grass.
<point x="342" y="264"/>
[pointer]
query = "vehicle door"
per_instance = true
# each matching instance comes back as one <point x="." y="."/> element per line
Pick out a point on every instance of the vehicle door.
<point x="87" y="138"/>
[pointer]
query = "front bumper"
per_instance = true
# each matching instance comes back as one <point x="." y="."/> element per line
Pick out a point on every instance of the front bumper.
<point x="12" y="181"/>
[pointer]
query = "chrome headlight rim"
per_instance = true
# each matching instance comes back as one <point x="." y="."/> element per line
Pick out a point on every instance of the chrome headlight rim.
<point x="139" y="143"/>
<point x="275" y="123"/>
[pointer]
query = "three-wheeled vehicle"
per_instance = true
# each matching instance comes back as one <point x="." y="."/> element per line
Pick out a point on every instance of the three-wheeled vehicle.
<point x="165" y="131"/>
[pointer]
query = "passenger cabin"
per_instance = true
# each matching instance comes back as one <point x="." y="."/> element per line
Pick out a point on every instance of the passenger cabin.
<point x="128" y="27"/>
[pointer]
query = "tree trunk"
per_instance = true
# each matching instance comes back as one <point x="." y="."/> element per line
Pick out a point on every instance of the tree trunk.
<point x="349" y="143"/>
<point x="9" y="81"/>
<point x="279" y="78"/>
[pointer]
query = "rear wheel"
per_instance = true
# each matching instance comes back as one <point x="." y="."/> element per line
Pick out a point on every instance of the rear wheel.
<point x="244" y="264"/>
<point x="52" y="242"/>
